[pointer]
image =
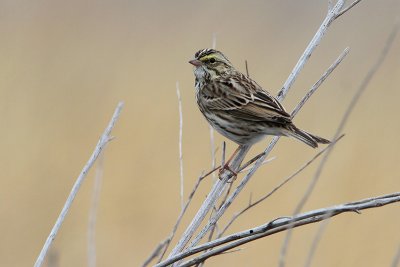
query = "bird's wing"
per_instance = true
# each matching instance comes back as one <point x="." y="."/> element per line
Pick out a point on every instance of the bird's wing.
<point x="243" y="99"/>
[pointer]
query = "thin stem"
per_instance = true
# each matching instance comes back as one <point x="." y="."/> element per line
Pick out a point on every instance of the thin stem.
<point x="162" y="247"/>
<point x="348" y="8"/>
<point x="396" y="259"/>
<point x="211" y="129"/>
<point x="225" y="176"/>
<point x="353" y="102"/>
<point x="316" y="240"/>
<point x="330" y="17"/>
<point x="266" y="152"/>
<point x="104" y="139"/>
<point x="223" y="153"/>
<point x="210" y="201"/>
<point x="285" y="181"/>
<point x="278" y="225"/>
<point x="247" y="68"/>
<point x="93" y="212"/>
<point x="178" y="93"/>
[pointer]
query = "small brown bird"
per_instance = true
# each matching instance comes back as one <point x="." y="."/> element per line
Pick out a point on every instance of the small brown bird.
<point x="237" y="107"/>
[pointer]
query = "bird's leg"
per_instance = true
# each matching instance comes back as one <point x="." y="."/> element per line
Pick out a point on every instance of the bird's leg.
<point x="226" y="167"/>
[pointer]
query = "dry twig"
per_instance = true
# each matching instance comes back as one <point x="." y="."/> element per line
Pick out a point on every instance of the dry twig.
<point x="210" y="201"/>
<point x="162" y="247"/>
<point x="276" y="226"/>
<point x="218" y="187"/>
<point x="266" y="151"/>
<point x="93" y="212"/>
<point x="211" y="129"/>
<point x="285" y="181"/>
<point x="178" y="93"/>
<point x="104" y="139"/>
<point x="396" y="259"/>
<point x="339" y="130"/>
<point x="316" y="240"/>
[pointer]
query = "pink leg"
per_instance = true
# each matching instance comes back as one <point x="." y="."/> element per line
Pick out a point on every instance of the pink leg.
<point x="226" y="165"/>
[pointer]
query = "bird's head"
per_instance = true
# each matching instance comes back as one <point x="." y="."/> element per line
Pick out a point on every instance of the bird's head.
<point x="210" y="63"/>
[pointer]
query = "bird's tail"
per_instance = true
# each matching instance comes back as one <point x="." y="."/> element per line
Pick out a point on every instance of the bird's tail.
<point x="309" y="139"/>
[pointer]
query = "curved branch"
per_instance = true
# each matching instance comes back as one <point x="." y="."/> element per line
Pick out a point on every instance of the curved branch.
<point x="276" y="226"/>
<point x="104" y="139"/>
<point x="258" y="163"/>
<point x="219" y="186"/>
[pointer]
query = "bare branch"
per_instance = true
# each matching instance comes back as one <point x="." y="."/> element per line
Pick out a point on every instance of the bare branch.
<point x="244" y="181"/>
<point x="371" y="73"/>
<point x="223" y="153"/>
<point x="254" y="159"/>
<point x="247" y="68"/>
<point x="165" y="244"/>
<point x="396" y="259"/>
<point x="210" y="201"/>
<point x="211" y="129"/>
<point x="340" y="128"/>
<point x="191" y="195"/>
<point x="157" y="251"/>
<point x="212" y="145"/>
<point x="320" y="81"/>
<point x="178" y="93"/>
<point x="167" y="241"/>
<point x="247" y="167"/>
<point x="285" y="181"/>
<point x="348" y="8"/>
<point x="104" y="139"/>
<point x="330" y="17"/>
<point x="276" y="226"/>
<point x="215" y="226"/>
<point x="330" y="5"/>
<point x="214" y="41"/>
<point x="316" y="240"/>
<point x="53" y="258"/>
<point x="93" y="212"/>
<point x="226" y="176"/>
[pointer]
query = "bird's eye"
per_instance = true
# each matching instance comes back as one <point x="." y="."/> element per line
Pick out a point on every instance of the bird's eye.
<point x="212" y="60"/>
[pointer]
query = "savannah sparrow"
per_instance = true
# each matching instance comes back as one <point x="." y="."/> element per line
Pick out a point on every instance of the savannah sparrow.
<point x="237" y="107"/>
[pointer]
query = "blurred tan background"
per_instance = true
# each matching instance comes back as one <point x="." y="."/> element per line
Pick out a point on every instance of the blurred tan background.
<point x="64" y="65"/>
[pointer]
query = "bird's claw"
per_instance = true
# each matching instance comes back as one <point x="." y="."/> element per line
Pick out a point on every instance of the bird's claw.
<point x="225" y="168"/>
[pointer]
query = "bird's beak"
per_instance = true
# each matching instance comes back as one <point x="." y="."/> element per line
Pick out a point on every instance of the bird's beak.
<point x="195" y="62"/>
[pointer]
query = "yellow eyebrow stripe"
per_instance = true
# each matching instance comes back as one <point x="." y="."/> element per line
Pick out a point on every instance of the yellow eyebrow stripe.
<point x="207" y="57"/>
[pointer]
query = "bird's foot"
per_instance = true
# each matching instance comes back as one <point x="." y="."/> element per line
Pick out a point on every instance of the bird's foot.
<point x="225" y="169"/>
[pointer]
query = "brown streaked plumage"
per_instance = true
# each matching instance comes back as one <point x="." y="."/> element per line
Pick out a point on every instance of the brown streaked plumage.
<point x="237" y="107"/>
